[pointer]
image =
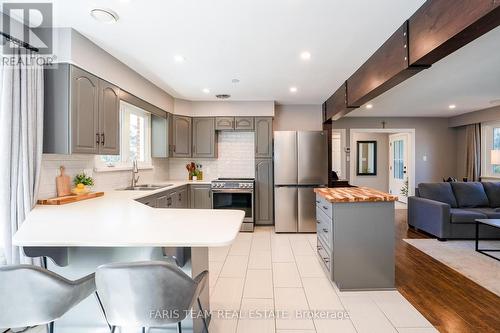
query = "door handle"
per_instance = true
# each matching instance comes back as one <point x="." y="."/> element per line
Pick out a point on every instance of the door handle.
<point x="102" y="138"/>
<point x="97" y="138"/>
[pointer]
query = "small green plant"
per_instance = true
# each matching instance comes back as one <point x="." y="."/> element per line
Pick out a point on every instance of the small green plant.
<point x="82" y="178"/>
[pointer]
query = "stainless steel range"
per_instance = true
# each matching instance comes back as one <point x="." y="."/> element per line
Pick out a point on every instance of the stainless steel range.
<point x="235" y="193"/>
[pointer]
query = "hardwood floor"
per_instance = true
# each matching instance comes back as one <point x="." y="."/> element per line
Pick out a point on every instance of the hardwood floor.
<point x="449" y="300"/>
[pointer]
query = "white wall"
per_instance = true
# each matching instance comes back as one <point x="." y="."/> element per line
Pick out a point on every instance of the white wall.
<point x="223" y="108"/>
<point x="381" y="180"/>
<point x="75" y="48"/>
<point x="298" y="118"/>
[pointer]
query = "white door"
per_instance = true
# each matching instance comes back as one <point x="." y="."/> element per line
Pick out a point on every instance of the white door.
<point x="398" y="166"/>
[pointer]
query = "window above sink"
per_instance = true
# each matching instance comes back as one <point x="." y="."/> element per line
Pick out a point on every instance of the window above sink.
<point x="135" y="141"/>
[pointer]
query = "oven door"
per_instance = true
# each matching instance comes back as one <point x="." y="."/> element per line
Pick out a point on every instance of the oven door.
<point x="234" y="199"/>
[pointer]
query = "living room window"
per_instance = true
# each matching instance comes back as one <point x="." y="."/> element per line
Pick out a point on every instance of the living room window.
<point x="135" y="140"/>
<point x="490" y="141"/>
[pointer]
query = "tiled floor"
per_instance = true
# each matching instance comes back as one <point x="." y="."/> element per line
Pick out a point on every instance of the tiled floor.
<point x="280" y="273"/>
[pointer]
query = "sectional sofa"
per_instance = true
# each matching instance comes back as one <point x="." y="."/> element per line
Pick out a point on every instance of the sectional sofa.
<point x="449" y="210"/>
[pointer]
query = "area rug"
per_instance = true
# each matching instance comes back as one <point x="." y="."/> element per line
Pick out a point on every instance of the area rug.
<point x="462" y="257"/>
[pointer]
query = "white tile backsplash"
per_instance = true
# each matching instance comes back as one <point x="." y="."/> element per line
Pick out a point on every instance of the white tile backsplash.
<point x="104" y="181"/>
<point x="235" y="159"/>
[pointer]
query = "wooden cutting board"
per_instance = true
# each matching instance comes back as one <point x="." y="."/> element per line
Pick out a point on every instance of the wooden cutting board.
<point x="70" y="198"/>
<point x="63" y="183"/>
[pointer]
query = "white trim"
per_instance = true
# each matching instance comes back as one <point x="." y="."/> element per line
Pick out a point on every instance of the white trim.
<point x="486" y="147"/>
<point x="343" y="154"/>
<point x="411" y="150"/>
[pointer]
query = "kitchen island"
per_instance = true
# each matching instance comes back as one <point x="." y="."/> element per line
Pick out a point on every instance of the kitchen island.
<point x="117" y="228"/>
<point x="355" y="230"/>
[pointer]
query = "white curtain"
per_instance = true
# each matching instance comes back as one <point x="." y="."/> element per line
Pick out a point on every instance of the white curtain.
<point x="21" y="134"/>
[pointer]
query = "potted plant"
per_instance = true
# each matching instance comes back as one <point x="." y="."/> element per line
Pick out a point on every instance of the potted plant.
<point x="82" y="183"/>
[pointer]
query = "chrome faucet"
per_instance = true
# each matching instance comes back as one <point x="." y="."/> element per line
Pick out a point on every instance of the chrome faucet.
<point x="135" y="171"/>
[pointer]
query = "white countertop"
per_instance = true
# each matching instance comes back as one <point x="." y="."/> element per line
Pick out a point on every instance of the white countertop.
<point x="117" y="220"/>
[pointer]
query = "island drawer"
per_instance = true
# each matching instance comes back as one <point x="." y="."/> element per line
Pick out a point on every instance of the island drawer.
<point x="324" y="205"/>
<point x="324" y="255"/>
<point x="324" y="227"/>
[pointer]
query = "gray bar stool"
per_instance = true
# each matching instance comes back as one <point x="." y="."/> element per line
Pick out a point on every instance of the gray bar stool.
<point x="31" y="295"/>
<point x="148" y="294"/>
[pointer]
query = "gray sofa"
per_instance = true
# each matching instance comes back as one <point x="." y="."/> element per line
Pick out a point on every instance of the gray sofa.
<point x="449" y="210"/>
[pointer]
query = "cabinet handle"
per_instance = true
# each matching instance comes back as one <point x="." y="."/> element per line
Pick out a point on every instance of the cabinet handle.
<point x="325" y="207"/>
<point x="326" y="260"/>
<point x="318" y="222"/>
<point x="97" y="138"/>
<point x="325" y="230"/>
<point x="317" y="201"/>
<point x="102" y="138"/>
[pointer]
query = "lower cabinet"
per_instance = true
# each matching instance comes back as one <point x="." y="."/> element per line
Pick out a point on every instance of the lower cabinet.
<point x="264" y="192"/>
<point x="200" y="197"/>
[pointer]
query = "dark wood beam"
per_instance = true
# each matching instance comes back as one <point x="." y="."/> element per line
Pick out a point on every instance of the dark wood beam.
<point x="440" y="27"/>
<point x="336" y="107"/>
<point x="386" y="68"/>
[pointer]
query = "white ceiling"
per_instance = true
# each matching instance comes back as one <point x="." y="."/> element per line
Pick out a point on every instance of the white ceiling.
<point x="255" y="41"/>
<point x="468" y="78"/>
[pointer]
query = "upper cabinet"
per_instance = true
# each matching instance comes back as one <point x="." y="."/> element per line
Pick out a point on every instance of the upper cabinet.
<point x="204" y="138"/>
<point x="234" y="123"/>
<point x="224" y="123"/>
<point x="263" y="137"/>
<point x="109" y="118"/>
<point x="81" y="112"/>
<point x="181" y="136"/>
<point x="243" y="123"/>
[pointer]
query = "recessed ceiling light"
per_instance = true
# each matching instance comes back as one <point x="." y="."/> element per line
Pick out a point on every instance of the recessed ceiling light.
<point x="179" y="58"/>
<point x="293" y="89"/>
<point x="104" y="15"/>
<point x="369" y="106"/>
<point x="235" y="81"/>
<point x="206" y="90"/>
<point x="305" y="55"/>
<point x="452" y="106"/>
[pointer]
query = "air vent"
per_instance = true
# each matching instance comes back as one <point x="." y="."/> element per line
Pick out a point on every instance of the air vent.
<point x="222" y="96"/>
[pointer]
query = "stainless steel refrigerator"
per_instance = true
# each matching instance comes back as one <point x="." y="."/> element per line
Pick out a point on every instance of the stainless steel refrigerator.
<point x="300" y="165"/>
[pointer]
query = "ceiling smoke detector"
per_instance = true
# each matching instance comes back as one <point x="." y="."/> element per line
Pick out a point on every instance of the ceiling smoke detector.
<point x="222" y="96"/>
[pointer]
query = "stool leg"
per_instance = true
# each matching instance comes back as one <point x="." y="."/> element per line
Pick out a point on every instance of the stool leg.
<point x="113" y="329"/>
<point x="102" y="308"/>
<point x="144" y="330"/>
<point x="203" y="318"/>
<point x="51" y="327"/>
<point x="179" y="327"/>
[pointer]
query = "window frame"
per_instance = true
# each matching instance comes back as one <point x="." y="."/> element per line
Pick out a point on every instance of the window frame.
<point x="487" y="142"/>
<point x="127" y="109"/>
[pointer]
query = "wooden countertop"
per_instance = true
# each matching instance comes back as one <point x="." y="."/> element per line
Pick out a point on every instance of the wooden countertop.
<point x="354" y="194"/>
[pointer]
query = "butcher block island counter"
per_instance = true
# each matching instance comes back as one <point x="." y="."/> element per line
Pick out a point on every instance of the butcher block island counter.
<point x="355" y="230"/>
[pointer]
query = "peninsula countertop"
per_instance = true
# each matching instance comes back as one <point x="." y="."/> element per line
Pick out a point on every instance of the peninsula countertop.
<point x="354" y="194"/>
<point x="118" y="220"/>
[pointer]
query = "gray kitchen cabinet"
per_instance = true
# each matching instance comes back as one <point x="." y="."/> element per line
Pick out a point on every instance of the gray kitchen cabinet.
<point x="263" y="137"/>
<point x="224" y="123"/>
<point x="200" y="196"/>
<point x="109" y="118"/>
<point x="204" y="138"/>
<point x="244" y="123"/>
<point x="355" y="241"/>
<point x="180" y="197"/>
<point x="264" y="192"/>
<point x="160" y="140"/>
<point x="81" y="112"/>
<point x="181" y="136"/>
<point x="84" y="97"/>
<point x="161" y="200"/>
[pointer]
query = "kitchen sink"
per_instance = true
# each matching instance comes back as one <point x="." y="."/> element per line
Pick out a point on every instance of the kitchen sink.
<point x="145" y="187"/>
